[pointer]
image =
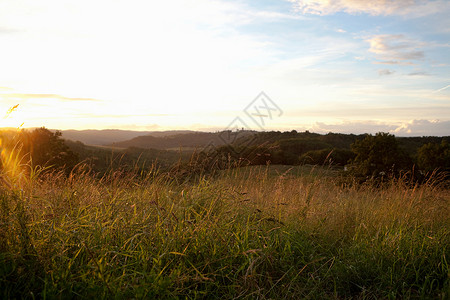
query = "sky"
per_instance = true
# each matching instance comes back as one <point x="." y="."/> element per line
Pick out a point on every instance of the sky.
<point x="349" y="66"/>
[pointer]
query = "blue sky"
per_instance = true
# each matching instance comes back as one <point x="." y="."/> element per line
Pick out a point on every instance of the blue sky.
<point x="330" y="65"/>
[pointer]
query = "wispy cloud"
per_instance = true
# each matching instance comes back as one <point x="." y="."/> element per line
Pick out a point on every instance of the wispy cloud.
<point x="419" y="73"/>
<point x="353" y="112"/>
<point x="385" y="72"/>
<point x="373" y="7"/>
<point x="7" y="30"/>
<point x="395" y="49"/>
<point x="23" y="96"/>
<point x="442" y="89"/>
<point x="182" y="57"/>
<point x="121" y="116"/>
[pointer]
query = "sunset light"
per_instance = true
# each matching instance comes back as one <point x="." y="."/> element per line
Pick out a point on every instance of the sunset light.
<point x="332" y="65"/>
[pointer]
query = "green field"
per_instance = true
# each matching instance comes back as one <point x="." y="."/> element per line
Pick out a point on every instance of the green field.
<point x="275" y="232"/>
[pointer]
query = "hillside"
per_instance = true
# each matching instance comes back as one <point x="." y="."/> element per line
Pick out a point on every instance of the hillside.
<point x="193" y="140"/>
<point x="274" y="147"/>
<point x="100" y="159"/>
<point x="109" y="136"/>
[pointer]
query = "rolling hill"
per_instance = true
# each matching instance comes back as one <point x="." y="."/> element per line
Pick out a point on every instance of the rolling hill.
<point x="109" y="136"/>
<point x="190" y="140"/>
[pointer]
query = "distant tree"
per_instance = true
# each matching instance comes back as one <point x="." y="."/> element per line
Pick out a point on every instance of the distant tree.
<point x="379" y="155"/>
<point x="434" y="156"/>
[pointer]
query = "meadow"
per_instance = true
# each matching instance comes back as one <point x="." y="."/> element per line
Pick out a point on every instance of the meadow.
<point x="261" y="232"/>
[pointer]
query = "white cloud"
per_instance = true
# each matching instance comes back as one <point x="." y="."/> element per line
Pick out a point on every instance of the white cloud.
<point x="372" y="7"/>
<point x="424" y="128"/>
<point x="355" y="127"/>
<point x="396" y="49"/>
<point x="411" y="128"/>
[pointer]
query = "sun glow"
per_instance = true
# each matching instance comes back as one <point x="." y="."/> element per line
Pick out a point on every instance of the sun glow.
<point x="11" y="168"/>
<point x="12" y="118"/>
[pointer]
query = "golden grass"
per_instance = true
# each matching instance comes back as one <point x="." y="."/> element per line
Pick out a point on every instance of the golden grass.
<point x="255" y="232"/>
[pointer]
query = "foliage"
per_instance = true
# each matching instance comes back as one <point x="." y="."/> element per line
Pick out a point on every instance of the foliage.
<point x="283" y="152"/>
<point x="247" y="148"/>
<point x="379" y="155"/>
<point x="293" y="148"/>
<point x="339" y="157"/>
<point x="47" y="149"/>
<point x="433" y="156"/>
<point x="412" y="144"/>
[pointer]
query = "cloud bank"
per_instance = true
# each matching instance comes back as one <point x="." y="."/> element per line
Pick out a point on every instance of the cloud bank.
<point x="372" y="7"/>
<point x="412" y="128"/>
<point x="424" y="128"/>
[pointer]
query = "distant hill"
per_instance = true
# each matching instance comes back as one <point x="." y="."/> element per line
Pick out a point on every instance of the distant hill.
<point x="169" y="133"/>
<point x="109" y="136"/>
<point x="102" y="159"/>
<point x="191" y="139"/>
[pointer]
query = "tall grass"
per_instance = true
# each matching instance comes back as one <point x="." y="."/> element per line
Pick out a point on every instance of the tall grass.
<point x="246" y="233"/>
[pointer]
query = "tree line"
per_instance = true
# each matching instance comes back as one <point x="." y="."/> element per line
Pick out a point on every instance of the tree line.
<point x="365" y="156"/>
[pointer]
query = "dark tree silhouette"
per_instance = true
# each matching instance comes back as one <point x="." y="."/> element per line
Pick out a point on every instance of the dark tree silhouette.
<point x="379" y="155"/>
<point x="47" y="149"/>
<point x="434" y="156"/>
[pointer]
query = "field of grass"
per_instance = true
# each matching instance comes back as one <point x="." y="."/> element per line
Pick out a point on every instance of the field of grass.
<point x="249" y="233"/>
